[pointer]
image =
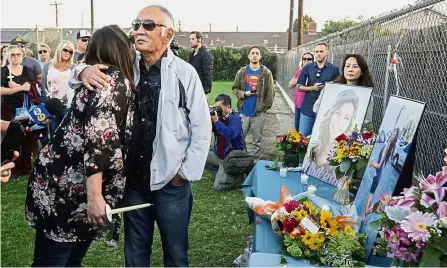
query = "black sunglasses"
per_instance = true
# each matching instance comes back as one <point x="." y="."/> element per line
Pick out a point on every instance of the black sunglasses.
<point x="319" y="73"/>
<point x="308" y="59"/>
<point x="148" y="25"/>
<point x="85" y="40"/>
<point x="67" y="51"/>
<point x="21" y="46"/>
<point x="42" y="51"/>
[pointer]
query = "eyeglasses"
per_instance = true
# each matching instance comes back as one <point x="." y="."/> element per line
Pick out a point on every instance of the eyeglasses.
<point x="308" y="59"/>
<point x="148" y="25"/>
<point x="67" y="51"/>
<point x="42" y="51"/>
<point x="319" y="51"/>
<point x="21" y="46"/>
<point x="85" y="40"/>
<point x="16" y="54"/>
<point x="319" y="73"/>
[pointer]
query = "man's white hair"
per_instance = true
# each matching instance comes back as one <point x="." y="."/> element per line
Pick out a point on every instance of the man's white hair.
<point x="170" y="19"/>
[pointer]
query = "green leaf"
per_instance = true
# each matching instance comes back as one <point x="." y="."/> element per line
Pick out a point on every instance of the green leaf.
<point x="440" y="244"/>
<point x="282" y="260"/>
<point x="361" y="164"/>
<point x="431" y="257"/>
<point x="345" y="165"/>
<point x="380" y="241"/>
<point x="338" y="173"/>
<point x="375" y="225"/>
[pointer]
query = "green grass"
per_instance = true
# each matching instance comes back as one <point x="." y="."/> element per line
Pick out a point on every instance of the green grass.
<point x="218" y="228"/>
<point x="222" y="87"/>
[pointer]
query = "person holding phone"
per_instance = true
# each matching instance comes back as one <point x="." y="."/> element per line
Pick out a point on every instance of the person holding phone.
<point x="311" y="81"/>
<point x="5" y="169"/>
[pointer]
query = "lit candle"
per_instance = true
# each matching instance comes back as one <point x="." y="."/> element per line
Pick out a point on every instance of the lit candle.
<point x="312" y="189"/>
<point x="283" y="172"/>
<point x="304" y="178"/>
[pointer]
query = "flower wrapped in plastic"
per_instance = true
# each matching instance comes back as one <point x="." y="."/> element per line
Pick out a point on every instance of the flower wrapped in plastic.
<point x="313" y="229"/>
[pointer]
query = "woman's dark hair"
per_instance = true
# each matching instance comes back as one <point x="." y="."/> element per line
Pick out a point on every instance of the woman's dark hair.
<point x="3" y="47"/>
<point x="111" y="46"/>
<point x="365" y="78"/>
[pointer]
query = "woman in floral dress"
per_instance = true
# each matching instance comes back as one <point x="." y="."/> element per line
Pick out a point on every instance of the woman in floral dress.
<point x="82" y="168"/>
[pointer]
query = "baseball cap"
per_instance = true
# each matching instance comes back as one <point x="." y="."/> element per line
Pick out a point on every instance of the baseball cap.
<point x="83" y="33"/>
<point x="18" y="40"/>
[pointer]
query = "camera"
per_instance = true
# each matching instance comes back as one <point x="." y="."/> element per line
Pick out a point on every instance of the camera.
<point x="174" y="47"/>
<point x="216" y="109"/>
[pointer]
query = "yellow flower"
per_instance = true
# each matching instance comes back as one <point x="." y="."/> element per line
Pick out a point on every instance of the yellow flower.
<point x="306" y="238"/>
<point x="327" y="222"/>
<point x="316" y="241"/>
<point x="312" y="209"/>
<point x="349" y="231"/>
<point x="298" y="215"/>
<point x="355" y="149"/>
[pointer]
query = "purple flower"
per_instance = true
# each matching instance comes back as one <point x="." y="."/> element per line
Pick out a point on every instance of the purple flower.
<point x="416" y="225"/>
<point x="442" y="210"/>
<point x="385" y="198"/>
<point x="391" y="238"/>
<point x="355" y="135"/>
<point x="433" y="187"/>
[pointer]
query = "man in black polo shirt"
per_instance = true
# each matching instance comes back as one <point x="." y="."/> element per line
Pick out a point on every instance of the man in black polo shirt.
<point x="202" y="60"/>
<point x="311" y="81"/>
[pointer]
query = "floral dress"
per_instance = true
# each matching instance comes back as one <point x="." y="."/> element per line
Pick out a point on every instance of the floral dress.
<point x="92" y="138"/>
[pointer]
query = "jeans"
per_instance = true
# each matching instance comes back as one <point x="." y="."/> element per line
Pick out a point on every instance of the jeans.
<point x="172" y="211"/>
<point x="297" y="118"/>
<point x="306" y="124"/>
<point x="49" y="253"/>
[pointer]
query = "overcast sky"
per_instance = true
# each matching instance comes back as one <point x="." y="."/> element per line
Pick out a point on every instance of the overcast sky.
<point x="224" y="15"/>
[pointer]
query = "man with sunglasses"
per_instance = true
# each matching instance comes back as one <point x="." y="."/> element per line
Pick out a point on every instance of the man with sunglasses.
<point x="28" y="61"/>
<point x="311" y="80"/>
<point x="169" y="145"/>
<point x="83" y="37"/>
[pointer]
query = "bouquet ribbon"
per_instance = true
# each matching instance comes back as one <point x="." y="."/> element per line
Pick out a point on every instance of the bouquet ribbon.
<point x="271" y="207"/>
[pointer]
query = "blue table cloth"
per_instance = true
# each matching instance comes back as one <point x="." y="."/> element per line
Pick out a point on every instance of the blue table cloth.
<point x="259" y="259"/>
<point x="266" y="184"/>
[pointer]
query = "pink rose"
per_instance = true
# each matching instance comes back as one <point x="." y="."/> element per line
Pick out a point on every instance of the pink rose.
<point x="78" y="189"/>
<point x="108" y="133"/>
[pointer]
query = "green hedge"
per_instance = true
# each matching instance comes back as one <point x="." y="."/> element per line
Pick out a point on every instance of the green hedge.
<point x="228" y="60"/>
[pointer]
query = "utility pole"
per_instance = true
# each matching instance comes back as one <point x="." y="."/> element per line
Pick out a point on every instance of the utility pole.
<point x="57" y="12"/>
<point x="300" y="22"/>
<point x="210" y="27"/>
<point x="92" y="17"/>
<point x="82" y="20"/>
<point x="289" y="44"/>
<point x="237" y="29"/>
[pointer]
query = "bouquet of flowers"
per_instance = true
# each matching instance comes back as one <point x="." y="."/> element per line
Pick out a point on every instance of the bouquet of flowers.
<point x="313" y="233"/>
<point x="414" y="225"/>
<point x="350" y="156"/>
<point x="292" y="143"/>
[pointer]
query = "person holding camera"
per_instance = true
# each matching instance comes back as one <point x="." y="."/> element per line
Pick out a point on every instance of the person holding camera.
<point x="253" y="86"/>
<point x="227" y="129"/>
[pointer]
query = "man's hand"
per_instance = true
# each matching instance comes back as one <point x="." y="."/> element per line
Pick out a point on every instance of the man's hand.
<point x="92" y="77"/>
<point x="249" y="94"/>
<point x="5" y="169"/>
<point x="13" y="84"/>
<point x="214" y="118"/>
<point x="96" y="211"/>
<point x="178" y="180"/>
<point x="317" y="87"/>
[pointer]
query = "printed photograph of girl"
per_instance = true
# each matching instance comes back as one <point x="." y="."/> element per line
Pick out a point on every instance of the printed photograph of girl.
<point x="342" y="108"/>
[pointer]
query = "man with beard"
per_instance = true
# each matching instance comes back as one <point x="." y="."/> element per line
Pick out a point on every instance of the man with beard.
<point x="202" y="60"/>
<point x="253" y="86"/>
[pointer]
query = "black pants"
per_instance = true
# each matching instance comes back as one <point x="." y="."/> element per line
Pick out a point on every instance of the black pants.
<point x="49" y="253"/>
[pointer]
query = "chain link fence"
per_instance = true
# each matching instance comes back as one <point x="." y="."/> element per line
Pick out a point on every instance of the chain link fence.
<point x="417" y="37"/>
<point x="48" y="35"/>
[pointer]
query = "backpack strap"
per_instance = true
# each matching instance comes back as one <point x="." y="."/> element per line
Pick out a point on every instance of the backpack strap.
<point x="182" y="102"/>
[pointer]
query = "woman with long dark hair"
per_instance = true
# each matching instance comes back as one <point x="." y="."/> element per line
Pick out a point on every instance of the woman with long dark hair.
<point x="355" y="72"/>
<point x="81" y="169"/>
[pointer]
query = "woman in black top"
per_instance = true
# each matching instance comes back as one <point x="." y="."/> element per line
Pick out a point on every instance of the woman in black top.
<point x="15" y="82"/>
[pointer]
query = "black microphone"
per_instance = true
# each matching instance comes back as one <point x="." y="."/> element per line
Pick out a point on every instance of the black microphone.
<point x="54" y="106"/>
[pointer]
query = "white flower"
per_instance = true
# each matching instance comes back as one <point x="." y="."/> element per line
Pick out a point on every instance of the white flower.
<point x="396" y="213"/>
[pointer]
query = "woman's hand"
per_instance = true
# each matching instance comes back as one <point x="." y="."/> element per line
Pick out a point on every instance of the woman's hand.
<point x="26" y="86"/>
<point x="96" y="211"/>
<point x="374" y="165"/>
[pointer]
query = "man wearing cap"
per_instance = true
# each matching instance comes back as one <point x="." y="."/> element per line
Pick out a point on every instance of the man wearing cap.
<point x="28" y="61"/>
<point x="83" y="37"/>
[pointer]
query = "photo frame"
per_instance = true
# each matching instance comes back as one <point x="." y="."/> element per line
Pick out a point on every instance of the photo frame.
<point x="394" y="142"/>
<point x="342" y="108"/>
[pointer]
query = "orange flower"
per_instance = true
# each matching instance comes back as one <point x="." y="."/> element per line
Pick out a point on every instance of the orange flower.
<point x="343" y="221"/>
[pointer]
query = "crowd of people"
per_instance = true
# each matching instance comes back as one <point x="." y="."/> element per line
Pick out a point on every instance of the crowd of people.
<point x="136" y="128"/>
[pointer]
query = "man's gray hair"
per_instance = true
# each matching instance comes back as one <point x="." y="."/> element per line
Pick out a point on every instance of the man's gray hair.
<point x="166" y="11"/>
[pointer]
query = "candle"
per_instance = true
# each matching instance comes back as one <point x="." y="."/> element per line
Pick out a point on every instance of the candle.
<point x="10" y="77"/>
<point x="304" y="178"/>
<point x="110" y="212"/>
<point x="312" y="189"/>
<point x="283" y="172"/>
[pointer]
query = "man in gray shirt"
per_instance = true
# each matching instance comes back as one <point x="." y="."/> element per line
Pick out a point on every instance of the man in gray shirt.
<point x="27" y="61"/>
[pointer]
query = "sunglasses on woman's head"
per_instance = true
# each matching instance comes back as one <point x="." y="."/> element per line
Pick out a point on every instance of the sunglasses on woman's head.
<point x="67" y="51"/>
<point x="148" y="25"/>
<point x="42" y="51"/>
